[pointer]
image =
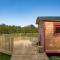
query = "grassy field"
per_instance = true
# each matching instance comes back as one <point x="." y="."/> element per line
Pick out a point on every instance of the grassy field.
<point x="4" y="56"/>
<point x="53" y="56"/>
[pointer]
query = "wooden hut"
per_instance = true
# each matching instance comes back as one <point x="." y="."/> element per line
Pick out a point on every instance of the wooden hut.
<point x="49" y="33"/>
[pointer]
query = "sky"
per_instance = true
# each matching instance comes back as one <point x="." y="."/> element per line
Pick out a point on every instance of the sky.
<point x="25" y="12"/>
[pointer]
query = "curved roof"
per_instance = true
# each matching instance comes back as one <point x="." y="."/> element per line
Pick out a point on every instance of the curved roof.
<point x="48" y="18"/>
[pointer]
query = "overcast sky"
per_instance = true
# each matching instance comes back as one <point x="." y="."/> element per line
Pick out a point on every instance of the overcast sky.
<point x="25" y="12"/>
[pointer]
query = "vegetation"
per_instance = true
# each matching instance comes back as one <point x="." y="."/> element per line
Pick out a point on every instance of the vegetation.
<point x="8" y="29"/>
<point x="4" y="56"/>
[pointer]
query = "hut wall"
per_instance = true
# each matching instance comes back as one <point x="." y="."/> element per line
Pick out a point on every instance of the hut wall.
<point x="52" y="42"/>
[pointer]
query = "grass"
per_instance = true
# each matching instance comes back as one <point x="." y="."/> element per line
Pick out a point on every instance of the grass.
<point x="4" y="56"/>
<point x="53" y="56"/>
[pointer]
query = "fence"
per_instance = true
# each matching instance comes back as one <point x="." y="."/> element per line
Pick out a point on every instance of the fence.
<point x="25" y="36"/>
<point x="7" y="40"/>
<point x="6" y="44"/>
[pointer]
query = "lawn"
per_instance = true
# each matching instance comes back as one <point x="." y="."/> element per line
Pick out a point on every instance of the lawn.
<point x="4" y="56"/>
<point x="54" y="56"/>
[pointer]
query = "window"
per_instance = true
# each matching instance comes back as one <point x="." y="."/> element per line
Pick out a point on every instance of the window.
<point x="57" y="28"/>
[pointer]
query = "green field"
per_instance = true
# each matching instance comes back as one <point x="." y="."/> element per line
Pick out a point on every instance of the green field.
<point x="54" y="56"/>
<point x="4" y="56"/>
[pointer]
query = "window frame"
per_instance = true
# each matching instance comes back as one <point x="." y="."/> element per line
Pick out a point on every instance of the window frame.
<point x="56" y="26"/>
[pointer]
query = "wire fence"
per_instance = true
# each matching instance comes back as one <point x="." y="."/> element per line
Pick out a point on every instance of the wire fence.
<point x="25" y="36"/>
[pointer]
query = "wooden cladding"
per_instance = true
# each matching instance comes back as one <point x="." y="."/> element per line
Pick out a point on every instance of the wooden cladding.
<point x="52" y="42"/>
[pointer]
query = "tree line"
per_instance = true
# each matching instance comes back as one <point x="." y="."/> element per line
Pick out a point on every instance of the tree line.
<point x="9" y="29"/>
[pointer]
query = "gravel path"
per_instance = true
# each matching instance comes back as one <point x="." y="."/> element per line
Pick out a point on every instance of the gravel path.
<point x="23" y="50"/>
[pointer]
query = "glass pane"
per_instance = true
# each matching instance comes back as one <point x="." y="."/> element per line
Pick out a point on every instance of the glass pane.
<point x="57" y="29"/>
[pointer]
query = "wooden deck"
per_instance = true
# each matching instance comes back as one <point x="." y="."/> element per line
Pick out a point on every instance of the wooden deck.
<point x="23" y="50"/>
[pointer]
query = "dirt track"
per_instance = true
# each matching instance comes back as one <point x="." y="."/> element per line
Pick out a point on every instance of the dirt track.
<point x="23" y="50"/>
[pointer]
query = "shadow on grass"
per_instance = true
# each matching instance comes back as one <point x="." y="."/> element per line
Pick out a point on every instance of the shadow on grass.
<point x="53" y="56"/>
<point x="4" y="56"/>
